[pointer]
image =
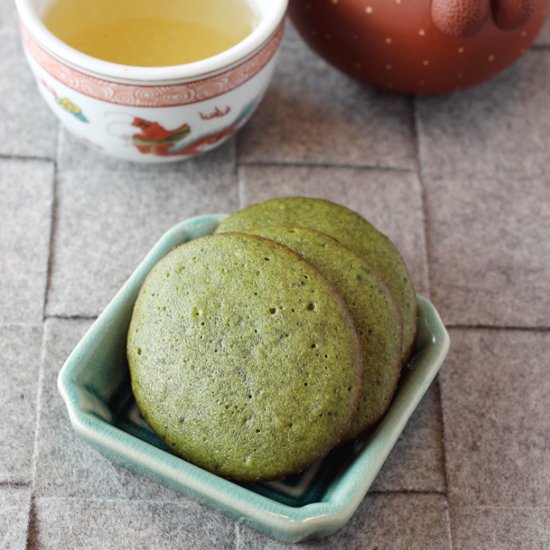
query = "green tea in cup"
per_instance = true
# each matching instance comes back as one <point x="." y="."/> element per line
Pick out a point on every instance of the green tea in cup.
<point x="151" y="33"/>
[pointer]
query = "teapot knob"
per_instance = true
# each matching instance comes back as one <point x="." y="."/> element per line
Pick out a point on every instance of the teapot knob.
<point x="511" y="14"/>
<point x="459" y="18"/>
<point x="462" y="18"/>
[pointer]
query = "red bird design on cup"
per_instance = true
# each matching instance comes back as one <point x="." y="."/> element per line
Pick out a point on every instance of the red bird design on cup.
<point x="153" y="138"/>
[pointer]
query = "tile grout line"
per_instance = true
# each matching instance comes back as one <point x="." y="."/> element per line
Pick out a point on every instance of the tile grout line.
<point x="238" y="167"/>
<point x="419" y="173"/>
<point x="437" y="383"/>
<point x="31" y="535"/>
<point x="237" y="535"/>
<point x="428" y="275"/>
<point x="238" y="172"/>
<point x="498" y="327"/>
<point x="26" y="158"/>
<point x="411" y="99"/>
<point x="305" y="164"/>
<point x="71" y="317"/>
<point x="22" y="324"/>
<point x="42" y="362"/>
<point x="53" y="229"/>
<point x="445" y="468"/>
<point x="240" y="187"/>
<point x="448" y="516"/>
<point x="57" y="144"/>
<point x="32" y="543"/>
<point x="408" y="492"/>
<point x="14" y="484"/>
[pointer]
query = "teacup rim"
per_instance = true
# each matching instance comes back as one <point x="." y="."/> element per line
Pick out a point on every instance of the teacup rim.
<point x="267" y="26"/>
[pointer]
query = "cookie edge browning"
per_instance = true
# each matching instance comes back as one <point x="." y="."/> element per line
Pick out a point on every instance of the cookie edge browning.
<point x="409" y="336"/>
<point x="397" y="367"/>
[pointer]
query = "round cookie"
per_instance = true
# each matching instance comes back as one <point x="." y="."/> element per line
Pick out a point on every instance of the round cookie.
<point x="350" y="229"/>
<point x="243" y="358"/>
<point x="372" y="308"/>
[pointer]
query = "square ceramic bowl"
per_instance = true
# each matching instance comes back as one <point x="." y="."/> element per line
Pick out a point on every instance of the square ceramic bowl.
<point x="95" y="386"/>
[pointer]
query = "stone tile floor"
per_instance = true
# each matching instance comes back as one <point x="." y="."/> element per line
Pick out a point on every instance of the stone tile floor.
<point x="460" y="182"/>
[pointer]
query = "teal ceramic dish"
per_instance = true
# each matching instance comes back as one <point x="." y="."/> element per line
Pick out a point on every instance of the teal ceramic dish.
<point x="94" y="383"/>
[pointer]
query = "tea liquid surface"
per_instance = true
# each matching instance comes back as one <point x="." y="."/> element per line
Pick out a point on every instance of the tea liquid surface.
<point x="151" y="33"/>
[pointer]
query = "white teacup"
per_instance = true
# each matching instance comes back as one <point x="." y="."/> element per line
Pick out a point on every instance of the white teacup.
<point x="153" y="114"/>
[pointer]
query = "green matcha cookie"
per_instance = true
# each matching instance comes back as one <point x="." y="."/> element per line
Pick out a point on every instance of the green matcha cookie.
<point x="243" y="358"/>
<point x="350" y="229"/>
<point x="376" y="318"/>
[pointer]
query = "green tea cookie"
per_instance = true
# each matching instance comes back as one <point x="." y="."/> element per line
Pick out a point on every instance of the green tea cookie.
<point x="243" y="357"/>
<point x="350" y="229"/>
<point x="372" y="308"/>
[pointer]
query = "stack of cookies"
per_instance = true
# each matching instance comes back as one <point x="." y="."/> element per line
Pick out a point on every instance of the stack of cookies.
<point x="256" y="350"/>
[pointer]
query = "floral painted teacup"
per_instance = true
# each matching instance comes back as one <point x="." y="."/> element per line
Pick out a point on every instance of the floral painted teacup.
<point x="153" y="114"/>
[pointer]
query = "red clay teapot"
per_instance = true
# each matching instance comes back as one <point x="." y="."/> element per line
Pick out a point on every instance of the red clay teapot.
<point x="419" y="46"/>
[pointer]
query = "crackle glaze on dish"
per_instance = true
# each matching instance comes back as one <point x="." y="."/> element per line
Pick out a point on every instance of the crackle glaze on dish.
<point x="94" y="383"/>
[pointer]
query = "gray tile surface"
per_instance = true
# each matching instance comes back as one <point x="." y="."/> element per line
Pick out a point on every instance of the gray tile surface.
<point x="313" y="113"/>
<point x="496" y="130"/>
<point x="543" y="39"/>
<point x="14" y="517"/>
<point x="115" y="524"/>
<point x="505" y="528"/>
<point x="496" y="397"/>
<point x="74" y="154"/>
<point x="459" y="182"/>
<point x="28" y="127"/>
<point x="484" y="161"/>
<point x="26" y="188"/>
<point x="66" y="466"/>
<point x="384" y="522"/>
<point x="19" y="364"/>
<point x="391" y="200"/>
<point x="108" y="220"/>
<point x="417" y="462"/>
<point x="489" y="251"/>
